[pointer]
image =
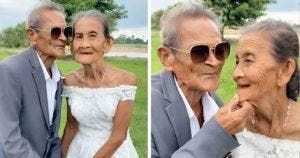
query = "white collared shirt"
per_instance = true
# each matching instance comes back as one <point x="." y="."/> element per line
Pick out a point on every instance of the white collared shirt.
<point x="51" y="86"/>
<point x="210" y="108"/>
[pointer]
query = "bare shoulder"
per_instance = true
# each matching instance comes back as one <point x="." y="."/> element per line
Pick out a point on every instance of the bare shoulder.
<point x="123" y="76"/>
<point x="72" y="79"/>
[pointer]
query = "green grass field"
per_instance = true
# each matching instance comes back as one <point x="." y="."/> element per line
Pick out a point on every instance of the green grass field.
<point x="227" y="85"/>
<point x="138" y="126"/>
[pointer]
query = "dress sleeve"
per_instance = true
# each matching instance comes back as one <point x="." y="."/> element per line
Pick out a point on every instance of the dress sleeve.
<point x="127" y="92"/>
<point x="66" y="92"/>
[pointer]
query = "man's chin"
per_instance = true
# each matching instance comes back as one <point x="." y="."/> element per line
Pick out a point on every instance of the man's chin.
<point x="208" y="87"/>
<point x="60" y="55"/>
<point x="212" y="85"/>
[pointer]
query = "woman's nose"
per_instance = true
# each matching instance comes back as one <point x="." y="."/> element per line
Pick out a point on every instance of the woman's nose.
<point x="85" y="43"/>
<point x="238" y="73"/>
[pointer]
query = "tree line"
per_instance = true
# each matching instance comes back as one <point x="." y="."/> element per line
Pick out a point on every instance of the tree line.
<point x="232" y="13"/>
<point x="123" y="39"/>
<point x="14" y="37"/>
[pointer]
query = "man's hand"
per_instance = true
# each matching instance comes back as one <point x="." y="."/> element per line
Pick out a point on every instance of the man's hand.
<point x="233" y="116"/>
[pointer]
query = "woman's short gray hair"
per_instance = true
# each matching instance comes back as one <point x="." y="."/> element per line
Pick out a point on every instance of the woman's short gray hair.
<point x="285" y="45"/>
<point x="95" y="15"/>
<point x="34" y="16"/>
<point x="171" y="19"/>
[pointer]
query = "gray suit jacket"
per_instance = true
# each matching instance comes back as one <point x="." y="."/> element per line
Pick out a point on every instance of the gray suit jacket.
<point x="25" y="127"/>
<point x="170" y="126"/>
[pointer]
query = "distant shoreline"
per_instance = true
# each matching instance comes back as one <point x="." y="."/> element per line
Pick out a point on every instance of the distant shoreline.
<point x="129" y="48"/>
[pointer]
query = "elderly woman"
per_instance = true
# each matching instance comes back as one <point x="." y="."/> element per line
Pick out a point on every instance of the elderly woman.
<point x="100" y="96"/>
<point x="267" y="76"/>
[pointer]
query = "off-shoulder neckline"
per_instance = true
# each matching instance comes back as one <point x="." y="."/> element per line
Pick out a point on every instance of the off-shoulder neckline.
<point x="248" y="133"/>
<point x="96" y="88"/>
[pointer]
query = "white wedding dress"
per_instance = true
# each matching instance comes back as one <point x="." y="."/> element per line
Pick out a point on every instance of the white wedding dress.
<point x="255" y="145"/>
<point x="94" y="109"/>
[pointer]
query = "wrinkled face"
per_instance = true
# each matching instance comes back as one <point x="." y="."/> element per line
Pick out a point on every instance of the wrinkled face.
<point x="89" y="43"/>
<point x="256" y="69"/>
<point x="200" y="76"/>
<point x="44" y="43"/>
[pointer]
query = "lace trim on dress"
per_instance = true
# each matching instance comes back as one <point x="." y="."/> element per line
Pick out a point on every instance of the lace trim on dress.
<point x="256" y="145"/>
<point x="127" y="92"/>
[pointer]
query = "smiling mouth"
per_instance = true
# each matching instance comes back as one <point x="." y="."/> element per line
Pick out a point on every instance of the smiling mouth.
<point x="242" y="86"/>
<point x="86" y="53"/>
<point x="210" y="74"/>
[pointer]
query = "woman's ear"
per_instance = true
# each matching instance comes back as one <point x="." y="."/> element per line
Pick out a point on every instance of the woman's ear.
<point x="285" y="72"/>
<point x="108" y="44"/>
<point x="166" y="57"/>
<point x="31" y="36"/>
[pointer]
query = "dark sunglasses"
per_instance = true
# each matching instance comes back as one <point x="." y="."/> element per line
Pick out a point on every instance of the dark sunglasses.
<point x="200" y="53"/>
<point x="56" y="32"/>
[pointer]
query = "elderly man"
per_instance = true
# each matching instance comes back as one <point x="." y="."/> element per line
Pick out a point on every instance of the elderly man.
<point x="186" y="119"/>
<point x="31" y="86"/>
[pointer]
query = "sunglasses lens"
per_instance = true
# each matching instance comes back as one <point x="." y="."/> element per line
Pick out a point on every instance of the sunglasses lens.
<point x="55" y="32"/>
<point x="68" y="32"/>
<point x="199" y="53"/>
<point x="222" y="51"/>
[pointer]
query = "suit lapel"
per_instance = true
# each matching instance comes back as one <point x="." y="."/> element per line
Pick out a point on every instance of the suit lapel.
<point x="40" y="84"/>
<point x="58" y="92"/>
<point x="179" y="120"/>
<point x="176" y="110"/>
<point x="58" y="100"/>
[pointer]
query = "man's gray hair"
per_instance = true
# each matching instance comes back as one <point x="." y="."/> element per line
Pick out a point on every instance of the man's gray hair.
<point x="172" y="18"/>
<point x="34" y="16"/>
<point x="97" y="16"/>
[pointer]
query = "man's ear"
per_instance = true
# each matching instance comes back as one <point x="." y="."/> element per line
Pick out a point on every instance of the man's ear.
<point x="31" y="36"/>
<point x="166" y="57"/>
<point x="285" y="72"/>
<point x="108" y="44"/>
